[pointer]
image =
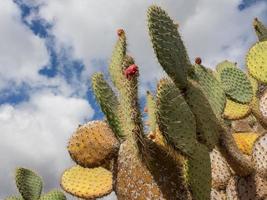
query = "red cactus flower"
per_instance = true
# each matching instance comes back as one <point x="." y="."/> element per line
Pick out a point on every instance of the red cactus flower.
<point x="130" y="71"/>
<point x="120" y="32"/>
<point x="198" y="60"/>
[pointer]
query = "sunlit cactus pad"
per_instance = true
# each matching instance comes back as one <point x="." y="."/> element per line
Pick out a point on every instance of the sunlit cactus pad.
<point x="87" y="183"/>
<point x="245" y="141"/>
<point x="93" y="144"/>
<point x="234" y="110"/>
<point x="257" y="61"/>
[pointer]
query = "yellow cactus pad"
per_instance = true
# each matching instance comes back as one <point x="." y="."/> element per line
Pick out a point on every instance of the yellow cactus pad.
<point x="87" y="183"/>
<point x="257" y="61"/>
<point x="234" y="110"/>
<point x="92" y="144"/>
<point x="245" y="141"/>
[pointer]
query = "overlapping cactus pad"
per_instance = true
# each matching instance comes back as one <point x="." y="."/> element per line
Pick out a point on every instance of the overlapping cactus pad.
<point x="194" y="146"/>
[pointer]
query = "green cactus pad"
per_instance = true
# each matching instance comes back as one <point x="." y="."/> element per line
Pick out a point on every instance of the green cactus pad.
<point x="29" y="184"/>
<point x="168" y="45"/>
<point x="176" y="121"/>
<point x="151" y="110"/>
<point x="260" y="30"/>
<point x="14" y="198"/>
<point x="211" y="88"/>
<point x="115" y="66"/>
<point x="257" y="61"/>
<point x="108" y="102"/>
<point x="235" y="84"/>
<point x="199" y="173"/>
<point x="54" y="195"/>
<point x="254" y="84"/>
<point x="207" y="122"/>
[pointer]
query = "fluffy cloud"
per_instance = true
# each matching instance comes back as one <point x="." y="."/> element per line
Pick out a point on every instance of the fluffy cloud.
<point x="214" y="30"/>
<point x="22" y="53"/>
<point x="34" y="134"/>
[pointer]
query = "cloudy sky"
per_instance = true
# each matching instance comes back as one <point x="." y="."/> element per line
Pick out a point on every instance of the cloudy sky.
<point x="50" y="48"/>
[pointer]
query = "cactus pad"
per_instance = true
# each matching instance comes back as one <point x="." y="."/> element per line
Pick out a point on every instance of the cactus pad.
<point x="260" y="30"/>
<point x="199" y="173"/>
<point x="263" y="104"/>
<point x="211" y="88"/>
<point x="93" y="144"/>
<point x="220" y="170"/>
<point x="108" y="102"/>
<point x="14" y="198"/>
<point x="54" y="195"/>
<point x="87" y="183"/>
<point x="176" y="121"/>
<point x="207" y="122"/>
<point x="245" y="141"/>
<point x="257" y="61"/>
<point x="29" y="184"/>
<point x="136" y="180"/>
<point x="234" y="82"/>
<point x="234" y="110"/>
<point x="151" y="111"/>
<point x="168" y="45"/>
<point x="259" y="155"/>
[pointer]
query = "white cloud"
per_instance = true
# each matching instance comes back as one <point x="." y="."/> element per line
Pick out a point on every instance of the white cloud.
<point x="22" y="53"/>
<point x="34" y="134"/>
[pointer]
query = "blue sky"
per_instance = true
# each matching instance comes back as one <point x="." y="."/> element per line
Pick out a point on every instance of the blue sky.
<point x="52" y="48"/>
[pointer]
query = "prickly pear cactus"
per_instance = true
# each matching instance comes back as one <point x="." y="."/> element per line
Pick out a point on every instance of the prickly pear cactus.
<point x="190" y="151"/>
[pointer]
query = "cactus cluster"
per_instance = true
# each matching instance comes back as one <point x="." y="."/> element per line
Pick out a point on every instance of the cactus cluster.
<point x="194" y="148"/>
<point x="30" y="187"/>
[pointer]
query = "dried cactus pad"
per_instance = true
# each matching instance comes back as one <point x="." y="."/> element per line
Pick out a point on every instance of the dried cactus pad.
<point x="54" y="195"/>
<point x="245" y="141"/>
<point x="235" y="83"/>
<point x="87" y="183"/>
<point x="92" y="144"/>
<point x="29" y="184"/>
<point x="259" y="155"/>
<point x="234" y="110"/>
<point x="220" y="170"/>
<point x="257" y="61"/>
<point x="263" y="104"/>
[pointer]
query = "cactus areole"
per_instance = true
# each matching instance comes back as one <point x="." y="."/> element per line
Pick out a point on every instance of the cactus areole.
<point x="131" y="71"/>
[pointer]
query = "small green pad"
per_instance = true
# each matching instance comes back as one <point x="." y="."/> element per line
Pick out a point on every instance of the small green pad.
<point x="235" y="83"/>
<point x="54" y="195"/>
<point x="115" y="66"/>
<point x="108" y="102"/>
<point x="257" y="61"/>
<point x="29" y="184"/>
<point x="13" y="198"/>
<point x="168" y="45"/>
<point x="211" y="88"/>
<point x="260" y="29"/>
<point x="199" y="173"/>
<point x="207" y="122"/>
<point x="151" y="111"/>
<point x="175" y="119"/>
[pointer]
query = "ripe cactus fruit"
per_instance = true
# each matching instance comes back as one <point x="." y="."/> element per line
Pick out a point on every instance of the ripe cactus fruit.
<point x="198" y="60"/>
<point x="29" y="184"/>
<point x="53" y="195"/>
<point x="87" y="183"/>
<point x="120" y="32"/>
<point x="168" y="45"/>
<point x="176" y="121"/>
<point x="93" y="144"/>
<point x="257" y="61"/>
<point x="220" y="170"/>
<point x="260" y="29"/>
<point x="234" y="110"/>
<point x="259" y="155"/>
<point x="245" y="141"/>
<point x="130" y="71"/>
<point x="235" y="83"/>
<point x="108" y="102"/>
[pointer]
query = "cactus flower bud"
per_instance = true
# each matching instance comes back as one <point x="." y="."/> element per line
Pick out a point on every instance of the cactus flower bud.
<point x="130" y="71"/>
<point x="198" y="60"/>
<point x="120" y="32"/>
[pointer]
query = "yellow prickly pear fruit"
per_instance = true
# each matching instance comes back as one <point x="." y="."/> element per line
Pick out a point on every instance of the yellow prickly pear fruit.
<point x="87" y="183"/>
<point x="92" y="144"/>
<point x="245" y="141"/>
